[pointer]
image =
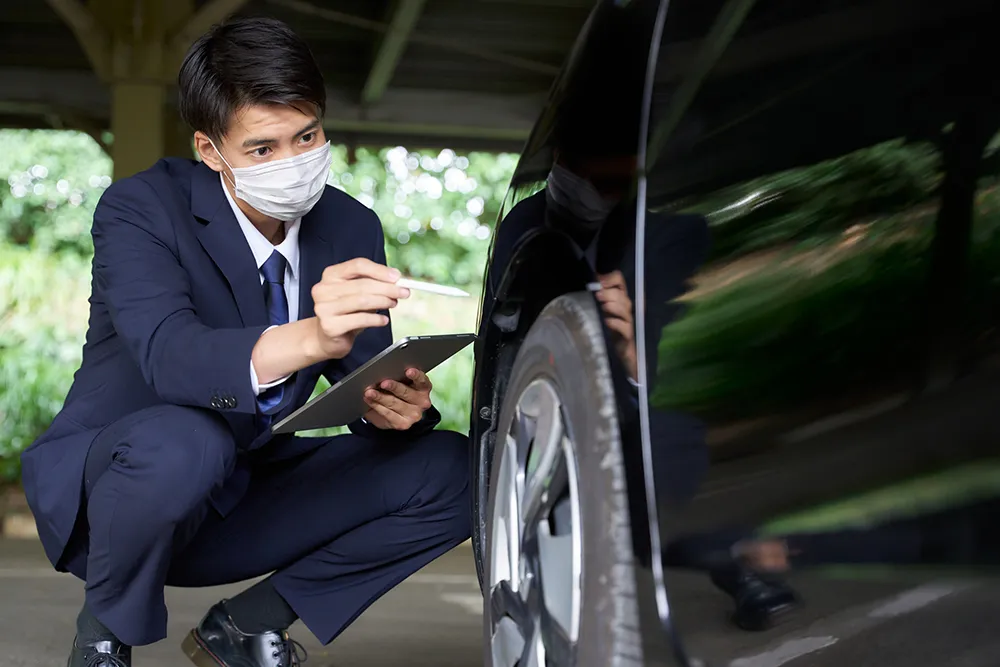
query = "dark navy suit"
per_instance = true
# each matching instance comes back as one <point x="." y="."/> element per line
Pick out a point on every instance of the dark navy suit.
<point x="183" y="486"/>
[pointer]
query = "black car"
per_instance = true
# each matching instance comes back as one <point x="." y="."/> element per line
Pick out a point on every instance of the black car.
<point x="738" y="368"/>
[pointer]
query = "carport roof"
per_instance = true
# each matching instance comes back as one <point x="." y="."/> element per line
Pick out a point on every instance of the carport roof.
<point x="464" y="73"/>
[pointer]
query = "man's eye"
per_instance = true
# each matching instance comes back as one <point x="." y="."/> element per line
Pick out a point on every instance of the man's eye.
<point x="263" y="151"/>
<point x="307" y="137"/>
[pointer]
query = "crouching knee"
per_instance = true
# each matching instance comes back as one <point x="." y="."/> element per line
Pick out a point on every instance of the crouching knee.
<point x="172" y="457"/>
<point x="446" y="481"/>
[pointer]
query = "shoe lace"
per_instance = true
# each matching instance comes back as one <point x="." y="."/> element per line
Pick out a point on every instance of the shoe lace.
<point x="105" y="660"/>
<point x="289" y="652"/>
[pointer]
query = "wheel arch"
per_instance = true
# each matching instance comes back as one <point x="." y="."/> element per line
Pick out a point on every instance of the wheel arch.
<point x="545" y="265"/>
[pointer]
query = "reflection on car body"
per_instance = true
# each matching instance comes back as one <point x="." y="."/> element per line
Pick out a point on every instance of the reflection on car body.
<point x="807" y="420"/>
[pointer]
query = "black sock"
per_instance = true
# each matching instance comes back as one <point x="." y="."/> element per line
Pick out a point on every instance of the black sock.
<point x="89" y="629"/>
<point x="260" y="608"/>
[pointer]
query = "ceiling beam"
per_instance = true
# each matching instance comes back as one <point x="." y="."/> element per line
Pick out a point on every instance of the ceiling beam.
<point x="92" y="36"/>
<point x="58" y="118"/>
<point x="212" y="12"/>
<point x="434" y="41"/>
<point x="405" y="15"/>
<point x="408" y="116"/>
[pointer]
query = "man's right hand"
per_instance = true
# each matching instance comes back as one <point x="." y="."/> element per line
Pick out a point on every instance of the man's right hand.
<point x="349" y="299"/>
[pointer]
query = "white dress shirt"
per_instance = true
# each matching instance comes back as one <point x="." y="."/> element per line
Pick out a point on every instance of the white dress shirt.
<point x="262" y="249"/>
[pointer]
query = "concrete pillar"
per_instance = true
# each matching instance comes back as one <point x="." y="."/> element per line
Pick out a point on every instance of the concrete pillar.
<point x="136" y="46"/>
<point x="137" y="123"/>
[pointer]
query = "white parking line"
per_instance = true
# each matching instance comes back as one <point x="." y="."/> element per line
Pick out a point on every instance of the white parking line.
<point x="838" y="627"/>
<point x="786" y="652"/>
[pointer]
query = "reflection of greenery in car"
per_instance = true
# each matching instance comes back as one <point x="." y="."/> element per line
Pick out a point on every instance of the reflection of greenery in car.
<point x="949" y="488"/>
<point x="838" y="312"/>
<point x="821" y="200"/>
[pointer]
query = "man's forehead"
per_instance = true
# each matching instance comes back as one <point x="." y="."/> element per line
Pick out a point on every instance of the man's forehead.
<point x="271" y="121"/>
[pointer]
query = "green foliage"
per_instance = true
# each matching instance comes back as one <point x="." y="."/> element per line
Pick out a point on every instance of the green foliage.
<point x="820" y="200"/>
<point x="39" y="352"/>
<point x="55" y="179"/>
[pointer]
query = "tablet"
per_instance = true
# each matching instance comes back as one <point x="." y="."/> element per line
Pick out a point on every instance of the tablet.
<point x="344" y="402"/>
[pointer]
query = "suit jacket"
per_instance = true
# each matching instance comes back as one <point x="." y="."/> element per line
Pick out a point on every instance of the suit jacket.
<point x="176" y="308"/>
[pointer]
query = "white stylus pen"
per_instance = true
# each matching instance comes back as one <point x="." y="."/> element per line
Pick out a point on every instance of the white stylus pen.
<point x="430" y="287"/>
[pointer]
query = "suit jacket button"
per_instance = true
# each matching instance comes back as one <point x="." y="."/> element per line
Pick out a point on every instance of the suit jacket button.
<point x="231" y="402"/>
<point x="217" y="403"/>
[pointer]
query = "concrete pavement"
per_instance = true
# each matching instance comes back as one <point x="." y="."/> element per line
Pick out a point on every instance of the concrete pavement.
<point x="432" y="620"/>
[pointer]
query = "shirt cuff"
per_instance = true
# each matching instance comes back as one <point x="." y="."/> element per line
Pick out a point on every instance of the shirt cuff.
<point x="255" y="386"/>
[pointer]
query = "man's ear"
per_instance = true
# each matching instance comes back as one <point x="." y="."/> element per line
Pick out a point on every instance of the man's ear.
<point x="207" y="151"/>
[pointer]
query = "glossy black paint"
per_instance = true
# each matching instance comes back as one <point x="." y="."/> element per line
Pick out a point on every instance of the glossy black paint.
<point x="817" y="348"/>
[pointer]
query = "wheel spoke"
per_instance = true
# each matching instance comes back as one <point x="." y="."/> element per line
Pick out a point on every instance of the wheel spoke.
<point x="558" y="579"/>
<point x="546" y="486"/>
<point x="504" y="602"/>
<point x="558" y="645"/>
<point x="507" y="645"/>
<point x="536" y="536"/>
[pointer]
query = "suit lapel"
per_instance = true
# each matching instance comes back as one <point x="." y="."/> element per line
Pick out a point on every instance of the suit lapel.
<point x="315" y="254"/>
<point x="224" y="242"/>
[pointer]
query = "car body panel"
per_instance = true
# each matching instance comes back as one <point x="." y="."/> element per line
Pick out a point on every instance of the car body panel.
<point x="815" y="188"/>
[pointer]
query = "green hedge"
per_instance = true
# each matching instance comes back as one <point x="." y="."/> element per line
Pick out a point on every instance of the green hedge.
<point x="43" y="315"/>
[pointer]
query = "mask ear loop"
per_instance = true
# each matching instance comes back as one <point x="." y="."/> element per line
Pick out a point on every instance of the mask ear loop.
<point x="232" y="180"/>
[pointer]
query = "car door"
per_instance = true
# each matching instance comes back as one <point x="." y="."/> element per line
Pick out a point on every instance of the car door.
<point x="816" y="326"/>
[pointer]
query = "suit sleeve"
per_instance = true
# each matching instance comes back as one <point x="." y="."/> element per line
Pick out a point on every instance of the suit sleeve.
<point x="369" y="343"/>
<point x="147" y="291"/>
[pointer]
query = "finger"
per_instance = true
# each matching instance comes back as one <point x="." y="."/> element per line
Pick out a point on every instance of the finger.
<point x="618" y="309"/>
<point x="392" y="419"/>
<point x="361" y="267"/>
<point x="376" y="420"/>
<point x="419" y="379"/>
<point x="399" y="390"/>
<point x="331" y="290"/>
<point x="408" y="394"/>
<point x="358" y="303"/>
<point x="375" y="397"/>
<point x="622" y="329"/>
<point x="338" y="325"/>
<point x="395" y="404"/>
<point x="615" y="279"/>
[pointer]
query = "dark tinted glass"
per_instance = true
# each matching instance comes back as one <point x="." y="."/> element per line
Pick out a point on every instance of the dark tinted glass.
<point x="822" y="279"/>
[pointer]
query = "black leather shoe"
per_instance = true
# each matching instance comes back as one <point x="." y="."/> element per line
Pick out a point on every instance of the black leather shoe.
<point x="217" y="642"/>
<point x="760" y="602"/>
<point x="102" y="653"/>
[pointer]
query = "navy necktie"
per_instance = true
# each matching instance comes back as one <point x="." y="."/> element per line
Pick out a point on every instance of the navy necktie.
<point x="275" y="298"/>
<point x="276" y="301"/>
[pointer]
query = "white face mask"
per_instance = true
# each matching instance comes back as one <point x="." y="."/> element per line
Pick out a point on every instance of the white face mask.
<point x="577" y="197"/>
<point x="284" y="189"/>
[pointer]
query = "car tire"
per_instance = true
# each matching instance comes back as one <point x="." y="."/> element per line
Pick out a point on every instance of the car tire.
<point x="563" y="363"/>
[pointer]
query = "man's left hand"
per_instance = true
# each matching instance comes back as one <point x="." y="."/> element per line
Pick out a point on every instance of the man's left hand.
<point x="399" y="405"/>
<point x="617" y="308"/>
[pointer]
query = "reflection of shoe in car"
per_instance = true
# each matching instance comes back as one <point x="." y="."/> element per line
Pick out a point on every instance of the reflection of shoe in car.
<point x="760" y="602"/>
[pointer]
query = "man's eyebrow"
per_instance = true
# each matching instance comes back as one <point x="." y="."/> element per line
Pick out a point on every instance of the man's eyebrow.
<point x="253" y="142"/>
<point x="250" y="143"/>
<point x="308" y="128"/>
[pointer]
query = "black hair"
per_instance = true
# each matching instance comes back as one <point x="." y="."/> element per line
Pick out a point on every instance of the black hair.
<point x="244" y="62"/>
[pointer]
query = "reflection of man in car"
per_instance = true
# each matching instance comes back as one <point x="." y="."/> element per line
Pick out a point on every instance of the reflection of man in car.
<point x="588" y="195"/>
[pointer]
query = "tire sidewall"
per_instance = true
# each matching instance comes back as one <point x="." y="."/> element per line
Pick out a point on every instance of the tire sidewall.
<point x="566" y="347"/>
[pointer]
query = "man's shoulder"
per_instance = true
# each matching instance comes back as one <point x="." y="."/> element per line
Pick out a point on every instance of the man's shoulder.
<point x="167" y="178"/>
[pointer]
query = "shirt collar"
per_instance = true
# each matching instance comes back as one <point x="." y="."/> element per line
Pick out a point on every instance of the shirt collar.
<point x="259" y="245"/>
